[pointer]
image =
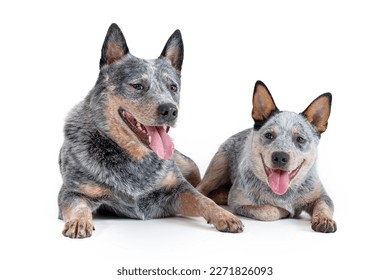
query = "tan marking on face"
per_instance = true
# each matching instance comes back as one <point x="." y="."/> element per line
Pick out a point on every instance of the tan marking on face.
<point x="295" y="130"/>
<point x="120" y="132"/>
<point x="94" y="191"/>
<point x="165" y="75"/>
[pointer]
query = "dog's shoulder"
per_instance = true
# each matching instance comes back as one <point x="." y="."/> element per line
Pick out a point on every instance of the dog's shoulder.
<point x="235" y="142"/>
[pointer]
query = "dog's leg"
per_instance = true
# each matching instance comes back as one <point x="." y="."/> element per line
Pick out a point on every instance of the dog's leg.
<point x="78" y="219"/>
<point x="220" y="195"/>
<point x="262" y="212"/>
<point x="216" y="181"/>
<point x="192" y="203"/>
<point x="244" y="206"/>
<point x="322" y="212"/>
<point x="187" y="167"/>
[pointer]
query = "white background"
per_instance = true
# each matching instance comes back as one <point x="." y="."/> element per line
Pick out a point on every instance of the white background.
<point x="50" y="54"/>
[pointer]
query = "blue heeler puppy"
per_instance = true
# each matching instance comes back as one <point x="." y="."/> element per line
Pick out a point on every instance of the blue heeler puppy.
<point x="268" y="172"/>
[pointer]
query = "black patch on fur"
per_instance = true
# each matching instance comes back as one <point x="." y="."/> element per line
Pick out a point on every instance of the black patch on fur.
<point x="160" y="200"/>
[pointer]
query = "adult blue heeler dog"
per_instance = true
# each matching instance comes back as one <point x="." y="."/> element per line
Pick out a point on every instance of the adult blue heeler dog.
<point x="117" y="154"/>
<point x="268" y="172"/>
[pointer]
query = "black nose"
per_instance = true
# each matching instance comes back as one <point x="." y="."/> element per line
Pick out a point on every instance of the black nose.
<point x="280" y="159"/>
<point x="168" y="112"/>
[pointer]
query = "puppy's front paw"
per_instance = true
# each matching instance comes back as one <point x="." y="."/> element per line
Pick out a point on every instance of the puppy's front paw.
<point x="226" y="222"/>
<point x="323" y="224"/>
<point x="78" y="228"/>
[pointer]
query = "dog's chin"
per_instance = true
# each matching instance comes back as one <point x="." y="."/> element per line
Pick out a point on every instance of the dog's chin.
<point x="155" y="138"/>
<point x="279" y="180"/>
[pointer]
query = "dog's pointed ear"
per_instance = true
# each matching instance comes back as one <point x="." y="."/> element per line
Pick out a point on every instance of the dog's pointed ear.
<point x="318" y="112"/>
<point x="263" y="104"/>
<point x="174" y="50"/>
<point x="114" y="46"/>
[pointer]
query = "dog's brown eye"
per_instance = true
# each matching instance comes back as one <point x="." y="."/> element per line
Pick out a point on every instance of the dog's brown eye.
<point x="173" y="88"/>
<point x="269" y="135"/>
<point x="137" y="86"/>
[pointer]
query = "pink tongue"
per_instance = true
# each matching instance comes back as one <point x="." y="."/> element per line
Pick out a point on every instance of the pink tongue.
<point x="279" y="181"/>
<point x="161" y="143"/>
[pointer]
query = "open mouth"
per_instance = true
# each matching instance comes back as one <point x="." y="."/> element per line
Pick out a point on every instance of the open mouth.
<point x="155" y="137"/>
<point x="278" y="179"/>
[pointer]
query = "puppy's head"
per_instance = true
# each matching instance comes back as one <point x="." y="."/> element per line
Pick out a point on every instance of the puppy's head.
<point x="141" y="96"/>
<point x="284" y="144"/>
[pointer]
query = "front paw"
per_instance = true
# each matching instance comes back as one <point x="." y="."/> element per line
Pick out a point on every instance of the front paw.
<point x="78" y="228"/>
<point x="226" y="222"/>
<point x="323" y="224"/>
